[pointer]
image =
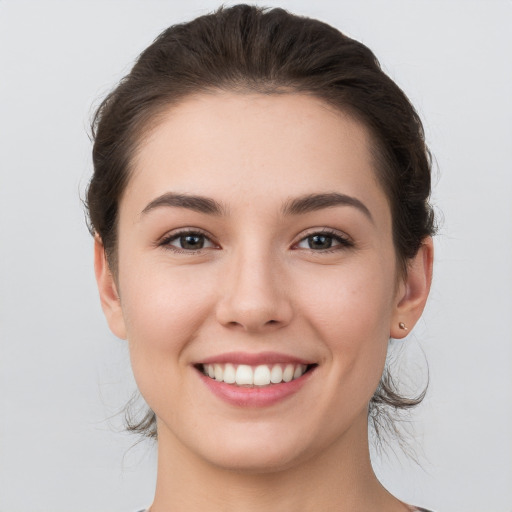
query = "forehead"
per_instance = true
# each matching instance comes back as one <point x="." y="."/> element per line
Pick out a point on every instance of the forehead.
<point x="242" y="145"/>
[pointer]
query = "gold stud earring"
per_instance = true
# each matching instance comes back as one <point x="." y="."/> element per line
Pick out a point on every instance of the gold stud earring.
<point x="402" y="326"/>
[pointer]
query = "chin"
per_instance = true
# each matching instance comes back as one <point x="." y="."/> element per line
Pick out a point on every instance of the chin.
<point x="256" y="461"/>
<point x="252" y="450"/>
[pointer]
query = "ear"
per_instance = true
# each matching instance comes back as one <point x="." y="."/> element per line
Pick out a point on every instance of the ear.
<point x="413" y="291"/>
<point x="110" y="300"/>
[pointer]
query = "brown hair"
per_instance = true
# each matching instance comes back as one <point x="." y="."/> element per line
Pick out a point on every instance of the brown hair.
<point x="269" y="51"/>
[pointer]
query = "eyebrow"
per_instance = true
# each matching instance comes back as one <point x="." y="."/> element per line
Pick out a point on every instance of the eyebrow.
<point x="313" y="202"/>
<point x="191" y="202"/>
<point x="297" y="206"/>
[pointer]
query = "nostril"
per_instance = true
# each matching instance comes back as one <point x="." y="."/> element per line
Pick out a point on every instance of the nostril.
<point x="253" y="314"/>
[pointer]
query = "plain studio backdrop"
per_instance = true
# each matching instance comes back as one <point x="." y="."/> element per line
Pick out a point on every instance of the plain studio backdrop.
<point x="64" y="377"/>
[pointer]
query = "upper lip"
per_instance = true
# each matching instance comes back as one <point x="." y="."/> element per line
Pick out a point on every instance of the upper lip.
<point x="254" y="359"/>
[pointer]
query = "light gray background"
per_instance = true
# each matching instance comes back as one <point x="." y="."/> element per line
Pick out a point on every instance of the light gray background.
<point x="63" y="377"/>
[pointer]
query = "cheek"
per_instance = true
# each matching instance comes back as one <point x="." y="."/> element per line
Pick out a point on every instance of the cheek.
<point x="351" y="300"/>
<point x="163" y="308"/>
<point x="351" y="313"/>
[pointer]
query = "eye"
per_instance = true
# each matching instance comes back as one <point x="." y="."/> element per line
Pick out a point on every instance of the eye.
<point x="324" y="241"/>
<point x="187" y="241"/>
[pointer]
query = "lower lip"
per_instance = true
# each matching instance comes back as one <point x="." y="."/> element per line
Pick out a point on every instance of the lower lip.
<point x="255" y="396"/>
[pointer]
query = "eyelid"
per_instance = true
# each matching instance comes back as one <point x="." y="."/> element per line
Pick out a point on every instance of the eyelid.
<point x="344" y="240"/>
<point x="170" y="236"/>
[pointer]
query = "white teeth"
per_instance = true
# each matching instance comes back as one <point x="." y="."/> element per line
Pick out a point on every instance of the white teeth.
<point x="288" y="373"/>
<point x="276" y="375"/>
<point x="244" y="375"/>
<point x="299" y="370"/>
<point x="261" y="375"/>
<point x="229" y="374"/>
<point x="219" y="372"/>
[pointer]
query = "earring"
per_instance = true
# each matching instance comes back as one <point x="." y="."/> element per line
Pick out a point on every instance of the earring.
<point x="402" y="326"/>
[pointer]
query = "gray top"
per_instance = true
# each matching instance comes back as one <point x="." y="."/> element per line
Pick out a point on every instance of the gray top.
<point x="415" y="509"/>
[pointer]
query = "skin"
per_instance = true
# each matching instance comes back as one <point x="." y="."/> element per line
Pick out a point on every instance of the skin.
<point x="257" y="286"/>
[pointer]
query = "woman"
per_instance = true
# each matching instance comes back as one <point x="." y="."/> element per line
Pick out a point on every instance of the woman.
<point x="262" y="229"/>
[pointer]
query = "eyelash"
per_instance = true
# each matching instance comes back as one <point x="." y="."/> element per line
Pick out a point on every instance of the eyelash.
<point x="166" y="241"/>
<point x="343" y="242"/>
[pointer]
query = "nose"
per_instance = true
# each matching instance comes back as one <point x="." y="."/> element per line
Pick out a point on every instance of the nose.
<point x="253" y="294"/>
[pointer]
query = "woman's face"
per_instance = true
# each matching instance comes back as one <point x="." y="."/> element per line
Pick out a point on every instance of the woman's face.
<point x="255" y="245"/>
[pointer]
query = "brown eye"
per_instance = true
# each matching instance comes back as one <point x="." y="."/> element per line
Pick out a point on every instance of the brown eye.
<point x="192" y="242"/>
<point x="324" y="241"/>
<point x="188" y="241"/>
<point x="320" y="241"/>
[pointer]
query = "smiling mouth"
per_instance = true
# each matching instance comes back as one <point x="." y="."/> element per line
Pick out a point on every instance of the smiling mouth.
<point x="244" y="375"/>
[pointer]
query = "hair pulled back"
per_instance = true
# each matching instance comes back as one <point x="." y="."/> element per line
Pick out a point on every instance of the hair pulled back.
<point x="251" y="49"/>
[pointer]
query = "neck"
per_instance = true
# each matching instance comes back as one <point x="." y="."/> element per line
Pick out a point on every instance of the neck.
<point x="340" y="478"/>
